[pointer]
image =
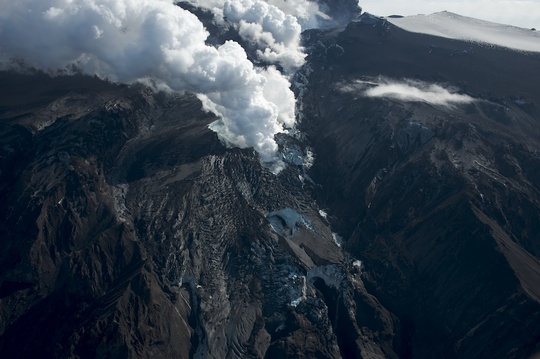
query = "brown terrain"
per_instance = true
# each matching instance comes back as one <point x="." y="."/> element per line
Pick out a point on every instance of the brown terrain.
<point x="441" y="203"/>
<point x="129" y="231"/>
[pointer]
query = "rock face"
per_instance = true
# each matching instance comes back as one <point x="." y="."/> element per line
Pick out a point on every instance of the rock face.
<point x="446" y="206"/>
<point x="129" y="230"/>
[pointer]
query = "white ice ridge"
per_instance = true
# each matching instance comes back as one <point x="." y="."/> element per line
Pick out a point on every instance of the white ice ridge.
<point x="454" y="26"/>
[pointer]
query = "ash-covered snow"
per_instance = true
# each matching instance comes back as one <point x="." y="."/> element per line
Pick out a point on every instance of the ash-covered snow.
<point x="454" y="26"/>
<point x="330" y="274"/>
<point x="286" y="222"/>
<point x="293" y="154"/>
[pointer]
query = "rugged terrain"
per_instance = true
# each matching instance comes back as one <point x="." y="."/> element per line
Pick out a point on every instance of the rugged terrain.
<point x="129" y="230"/>
<point x="446" y="198"/>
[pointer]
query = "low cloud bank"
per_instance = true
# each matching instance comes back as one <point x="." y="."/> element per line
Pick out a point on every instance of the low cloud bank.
<point x="408" y="91"/>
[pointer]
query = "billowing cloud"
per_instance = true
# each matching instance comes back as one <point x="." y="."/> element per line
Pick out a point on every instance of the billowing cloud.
<point x="276" y="34"/>
<point x="408" y="91"/>
<point x="246" y="124"/>
<point x="160" y="43"/>
<point x="308" y="13"/>
<point x="274" y="26"/>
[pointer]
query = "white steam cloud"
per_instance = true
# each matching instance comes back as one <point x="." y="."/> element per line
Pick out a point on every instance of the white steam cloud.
<point x="307" y="13"/>
<point x="272" y="26"/>
<point x="276" y="34"/>
<point x="409" y="91"/>
<point x="160" y="43"/>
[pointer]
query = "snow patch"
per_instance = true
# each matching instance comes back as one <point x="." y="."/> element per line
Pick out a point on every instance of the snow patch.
<point x="309" y="160"/>
<point x="454" y="26"/>
<point x="298" y="288"/>
<point x="119" y="193"/>
<point x="338" y="240"/>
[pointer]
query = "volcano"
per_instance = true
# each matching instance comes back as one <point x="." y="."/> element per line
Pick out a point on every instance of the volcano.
<point x="404" y="222"/>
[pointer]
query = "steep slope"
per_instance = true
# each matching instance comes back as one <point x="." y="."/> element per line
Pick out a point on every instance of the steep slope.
<point x="440" y="200"/>
<point x="129" y="230"/>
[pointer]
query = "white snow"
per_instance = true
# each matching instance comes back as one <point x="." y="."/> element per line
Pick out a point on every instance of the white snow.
<point x="338" y="240"/>
<point x="449" y="25"/>
<point x="298" y="288"/>
<point x="309" y="160"/>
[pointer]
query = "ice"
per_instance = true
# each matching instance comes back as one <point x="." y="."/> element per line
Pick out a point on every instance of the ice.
<point x="297" y="288"/>
<point x="285" y="222"/>
<point x="338" y="240"/>
<point x="330" y="274"/>
<point x="454" y="26"/>
<point x="309" y="160"/>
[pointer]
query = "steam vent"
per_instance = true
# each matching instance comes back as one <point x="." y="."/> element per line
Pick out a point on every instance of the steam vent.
<point x="266" y="179"/>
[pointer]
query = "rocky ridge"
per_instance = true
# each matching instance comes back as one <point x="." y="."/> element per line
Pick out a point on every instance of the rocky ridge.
<point x="439" y="218"/>
<point x="129" y="230"/>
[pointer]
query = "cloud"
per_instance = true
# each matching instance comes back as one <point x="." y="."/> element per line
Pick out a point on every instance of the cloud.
<point x="276" y="34"/>
<point x="408" y="91"/>
<point x="275" y="26"/>
<point x="308" y="13"/>
<point x="156" y="42"/>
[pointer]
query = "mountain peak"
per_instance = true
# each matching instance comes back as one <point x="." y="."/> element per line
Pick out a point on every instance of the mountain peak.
<point x="451" y="25"/>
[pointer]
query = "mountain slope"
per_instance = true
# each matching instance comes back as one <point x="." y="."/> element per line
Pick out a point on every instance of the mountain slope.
<point x="440" y="201"/>
<point x="129" y="230"/>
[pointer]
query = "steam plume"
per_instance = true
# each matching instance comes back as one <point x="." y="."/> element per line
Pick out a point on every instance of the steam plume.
<point x="274" y="32"/>
<point x="130" y="41"/>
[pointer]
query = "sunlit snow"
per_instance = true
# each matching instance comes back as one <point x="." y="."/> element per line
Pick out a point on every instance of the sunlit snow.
<point x="454" y="26"/>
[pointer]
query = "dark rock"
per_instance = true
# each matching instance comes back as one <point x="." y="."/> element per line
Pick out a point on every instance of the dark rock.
<point x="129" y="230"/>
<point x="437" y="202"/>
